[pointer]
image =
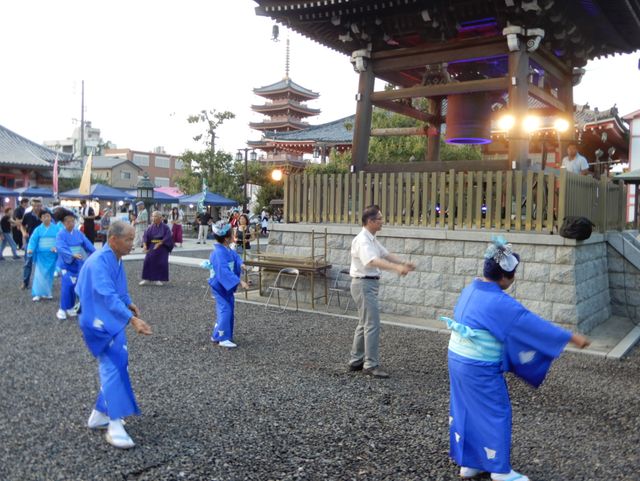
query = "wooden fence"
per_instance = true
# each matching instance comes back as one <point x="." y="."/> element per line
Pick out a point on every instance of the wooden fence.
<point x="502" y="200"/>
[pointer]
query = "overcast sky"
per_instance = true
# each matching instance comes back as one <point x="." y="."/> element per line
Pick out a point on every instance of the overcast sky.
<point x="147" y="65"/>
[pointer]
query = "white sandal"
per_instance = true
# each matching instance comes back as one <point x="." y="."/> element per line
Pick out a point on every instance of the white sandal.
<point x="468" y="473"/>
<point x="512" y="476"/>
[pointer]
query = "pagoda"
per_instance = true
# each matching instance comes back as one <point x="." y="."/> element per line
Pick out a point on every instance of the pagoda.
<point x="285" y="111"/>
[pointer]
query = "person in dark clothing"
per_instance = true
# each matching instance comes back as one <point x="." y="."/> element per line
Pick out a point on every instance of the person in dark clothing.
<point x="88" y="215"/>
<point x="6" y="239"/>
<point x="18" y="214"/>
<point x="30" y="221"/>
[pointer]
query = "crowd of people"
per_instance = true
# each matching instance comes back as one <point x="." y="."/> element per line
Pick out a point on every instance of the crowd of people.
<point x="491" y="333"/>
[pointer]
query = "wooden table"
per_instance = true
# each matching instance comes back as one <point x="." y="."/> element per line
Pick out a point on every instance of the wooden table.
<point x="306" y="265"/>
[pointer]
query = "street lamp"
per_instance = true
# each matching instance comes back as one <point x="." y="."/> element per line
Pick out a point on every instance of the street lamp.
<point x="144" y="190"/>
<point x="239" y="158"/>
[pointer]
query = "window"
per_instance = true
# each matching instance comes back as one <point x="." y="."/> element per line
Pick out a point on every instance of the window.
<point x="163" y="162"/>
<point x="179" y="165"/>
<point x="161" y="181"/>
<point x="125" y="175"/>
<point x="141" y="160"/>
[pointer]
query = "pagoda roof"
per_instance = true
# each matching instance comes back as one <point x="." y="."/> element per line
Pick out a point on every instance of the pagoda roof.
<point x="286" y="85"/>
<point x="288" y="105"/>
<point x="18" y="151"/>
<point x="275" y="125"/>
<point x="332" y="132"/>
<point x="575" y="30"/>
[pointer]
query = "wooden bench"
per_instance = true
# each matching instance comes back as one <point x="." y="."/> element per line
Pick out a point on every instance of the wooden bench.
<point x="308" y="266"/>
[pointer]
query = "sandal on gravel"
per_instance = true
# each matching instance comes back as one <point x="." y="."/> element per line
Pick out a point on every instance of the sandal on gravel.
<point x="120" y="440"/>
<point x="468" y="473"/>
<point x="512" y="476"/>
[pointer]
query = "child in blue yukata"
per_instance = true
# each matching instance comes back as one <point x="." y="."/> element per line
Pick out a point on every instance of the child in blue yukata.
<point x="226" y="267"/>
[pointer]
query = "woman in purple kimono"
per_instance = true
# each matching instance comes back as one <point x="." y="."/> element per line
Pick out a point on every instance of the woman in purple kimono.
<point x="492" y="333"/>
<point x="157" y="243"/>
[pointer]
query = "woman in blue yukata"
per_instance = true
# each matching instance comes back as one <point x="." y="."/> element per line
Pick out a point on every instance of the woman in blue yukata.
<point x="226" y="267"/>
<point x="73" y="249"/>
<point x="493" y="333"/>
<point x="42" y="246"/>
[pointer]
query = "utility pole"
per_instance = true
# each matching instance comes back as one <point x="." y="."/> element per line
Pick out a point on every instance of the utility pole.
<point x="82" y="126"/>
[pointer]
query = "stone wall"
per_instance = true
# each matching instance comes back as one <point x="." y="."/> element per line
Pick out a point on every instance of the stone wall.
<point x="624" y="282"/>
<point x="560" y="279"/>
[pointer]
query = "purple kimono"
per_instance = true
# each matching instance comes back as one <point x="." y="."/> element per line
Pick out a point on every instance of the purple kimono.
<point x="156" y="262"/>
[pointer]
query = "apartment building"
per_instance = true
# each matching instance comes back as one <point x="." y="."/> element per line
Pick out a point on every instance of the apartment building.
<point x="163" y="169"/>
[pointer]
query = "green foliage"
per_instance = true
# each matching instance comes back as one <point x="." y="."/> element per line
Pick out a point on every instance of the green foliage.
<point x="268" y="192"/>
<point x="68" y="183"/>
<point x="405" y="148"/>
<point x="212" y="120"/>
<point x="219" y="169"/>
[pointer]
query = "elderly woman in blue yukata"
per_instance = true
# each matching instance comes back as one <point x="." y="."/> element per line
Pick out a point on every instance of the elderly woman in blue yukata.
<point x="42" y="246"/>
<point x="73" y="249"/>
<point x="225" y="266"/>
<point x="492" y="333"/>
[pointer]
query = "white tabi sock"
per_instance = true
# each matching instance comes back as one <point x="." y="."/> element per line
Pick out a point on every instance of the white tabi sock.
<point x="97" y="420"/>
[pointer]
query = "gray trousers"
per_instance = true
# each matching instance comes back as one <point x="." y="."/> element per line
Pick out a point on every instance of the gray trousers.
<point x="367" y="335"/>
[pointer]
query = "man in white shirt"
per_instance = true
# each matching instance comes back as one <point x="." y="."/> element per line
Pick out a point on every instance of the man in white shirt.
<point x="574" y="162"/>
<point x="368" y="256"/>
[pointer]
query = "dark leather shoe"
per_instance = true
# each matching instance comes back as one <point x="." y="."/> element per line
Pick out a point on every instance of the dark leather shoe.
<point x="376" y="372"/>
<point x="355" y="367"/>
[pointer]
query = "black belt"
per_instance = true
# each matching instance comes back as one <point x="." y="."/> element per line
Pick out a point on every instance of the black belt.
<point x="375" y="278"/>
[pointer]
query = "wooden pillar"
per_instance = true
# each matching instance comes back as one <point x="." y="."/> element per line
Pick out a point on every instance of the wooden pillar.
<point x="518" y="105"/>
<point x="565" y="95"/>
<point x="362" y="127"/>
<point x="433" y="139"/>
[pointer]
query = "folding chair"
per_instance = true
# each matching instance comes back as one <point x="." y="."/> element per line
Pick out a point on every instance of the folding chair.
<point x="340" y="287"/>
<point x="280" y="285"/>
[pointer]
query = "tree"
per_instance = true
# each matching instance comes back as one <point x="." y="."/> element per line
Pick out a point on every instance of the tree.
<point x="218" y="169"/>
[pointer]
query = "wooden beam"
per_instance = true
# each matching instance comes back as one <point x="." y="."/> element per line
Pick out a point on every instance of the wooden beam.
<point x="433" y="141"/>
<point x="441" y="90"/>
<point x="440" y="166"/>
<point x="362" y="124"/>
<point x="399" y="131"/>
<point x="550" y="64"/>
<point x="547" y="98"/>
<point x="518" y="106"/>
<point x="404" y="109"/>
<point x="414" y="57"/>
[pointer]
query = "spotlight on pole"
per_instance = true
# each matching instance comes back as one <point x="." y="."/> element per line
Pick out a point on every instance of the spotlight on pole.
<point x="531" y="123"/>
<point x="506" y="122"/>
<point x="561" y="125"/>
<point x="276" y="174"/>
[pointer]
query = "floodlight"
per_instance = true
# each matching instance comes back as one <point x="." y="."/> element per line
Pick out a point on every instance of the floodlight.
<point x="561" y="125"/>
<point x="531" y="123"/>
<point x="276" y="174"/>
<point x="506" y="122"/>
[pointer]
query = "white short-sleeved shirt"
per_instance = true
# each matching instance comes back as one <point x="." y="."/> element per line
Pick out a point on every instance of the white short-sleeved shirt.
<point x="575" y="166"/>
<point x="364" y="248"/>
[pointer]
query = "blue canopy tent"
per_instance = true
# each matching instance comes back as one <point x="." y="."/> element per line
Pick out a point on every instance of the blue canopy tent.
<point x="33" y="192"/>
<point x="158" y="197"/>
<point x="99" y="192"/>
<point x="4" y="192"/>
<point x="210" y="199"/>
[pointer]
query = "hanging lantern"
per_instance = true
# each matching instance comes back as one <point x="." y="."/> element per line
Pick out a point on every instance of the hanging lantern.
<point x="469" y="119"/>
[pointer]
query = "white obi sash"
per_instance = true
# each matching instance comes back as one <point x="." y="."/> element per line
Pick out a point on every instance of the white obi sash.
<point x="46" y="243"/>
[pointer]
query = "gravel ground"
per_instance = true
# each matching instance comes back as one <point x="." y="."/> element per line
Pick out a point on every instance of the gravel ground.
<point x="282" y="406"/>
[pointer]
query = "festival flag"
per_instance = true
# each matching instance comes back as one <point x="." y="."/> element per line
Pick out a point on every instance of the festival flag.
<point x="55" y="177"/>
<point x="85" y="182"/>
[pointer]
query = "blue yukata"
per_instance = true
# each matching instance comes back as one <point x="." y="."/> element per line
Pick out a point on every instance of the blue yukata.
<point x="492" y="333"/>
<point x="69" y="244"/>
<point x="40" y="244"/>
<point x="104" y="315"/>
<point x="225" y="266"/>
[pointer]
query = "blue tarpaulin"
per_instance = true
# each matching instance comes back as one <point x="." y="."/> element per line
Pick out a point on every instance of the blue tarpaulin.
<point x="210" y="199"/>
